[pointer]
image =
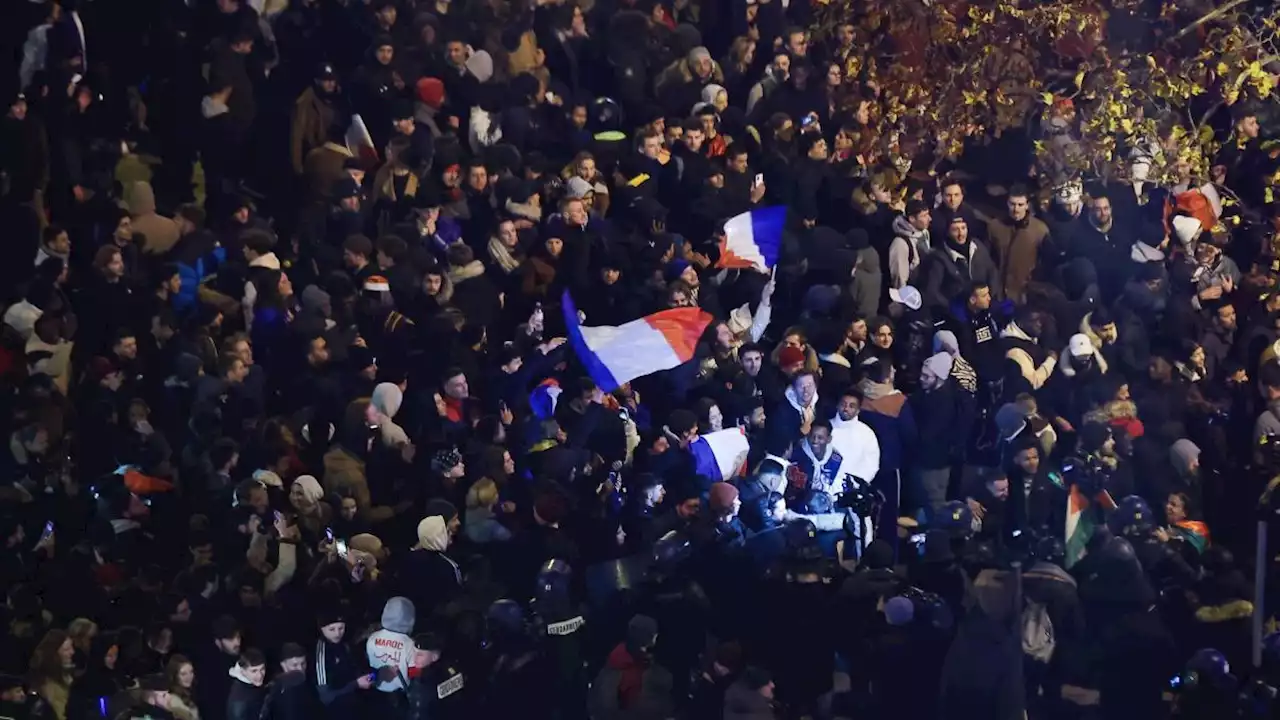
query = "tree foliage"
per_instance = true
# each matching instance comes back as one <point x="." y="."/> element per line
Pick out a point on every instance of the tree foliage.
<point x="1092" y="81"/>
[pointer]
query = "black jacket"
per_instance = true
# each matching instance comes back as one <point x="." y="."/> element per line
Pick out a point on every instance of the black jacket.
<point x="291" y="697"/>
<point x="943" y="279"/>
<point x="244" y="701"/>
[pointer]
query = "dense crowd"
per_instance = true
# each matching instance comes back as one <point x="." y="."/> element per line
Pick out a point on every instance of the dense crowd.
<point x="296" y="427"/>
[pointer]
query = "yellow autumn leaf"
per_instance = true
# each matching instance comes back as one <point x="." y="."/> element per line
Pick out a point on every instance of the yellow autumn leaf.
<point x="1047" y="98"/>
<point x="1079" y="79"/>
<point x="1151" y="62"/>
<point x="1222" y="68"/>
<point x="1126" y="125"/>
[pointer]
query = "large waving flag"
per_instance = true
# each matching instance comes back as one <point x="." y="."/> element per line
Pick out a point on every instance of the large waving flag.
<point x="720" y="455"/>
<point x="753" y="239"/>
<point x="614" y="355"/>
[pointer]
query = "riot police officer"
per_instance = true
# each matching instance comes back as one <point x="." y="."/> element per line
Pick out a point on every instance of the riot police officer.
<point x="1164" y="567"/>
<point x="561" y="619"/>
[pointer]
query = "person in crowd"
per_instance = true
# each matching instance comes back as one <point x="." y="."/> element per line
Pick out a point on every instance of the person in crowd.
<point x="213" y="484"/>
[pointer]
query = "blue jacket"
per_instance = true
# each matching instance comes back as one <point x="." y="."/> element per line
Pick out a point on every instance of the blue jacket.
<point x="891" y="419"/>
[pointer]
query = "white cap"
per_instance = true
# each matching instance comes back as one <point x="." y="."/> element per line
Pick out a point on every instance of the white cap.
<point x="1080" y="345"/>
<point x="906" y="295"/>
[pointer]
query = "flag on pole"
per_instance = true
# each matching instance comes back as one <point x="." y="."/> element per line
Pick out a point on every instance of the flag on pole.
<point x="753" y="239"/>
<point x="1081" y="523"/>
<point x="360" y="143"/>
<point x="614" y="355"/>
<point x="721" y="455"/>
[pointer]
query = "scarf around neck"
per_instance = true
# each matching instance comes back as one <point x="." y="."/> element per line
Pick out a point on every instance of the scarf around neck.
<point x="502" y="255"/>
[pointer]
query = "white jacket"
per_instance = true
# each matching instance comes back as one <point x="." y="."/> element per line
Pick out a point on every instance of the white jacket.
<point x="858" y="445"/>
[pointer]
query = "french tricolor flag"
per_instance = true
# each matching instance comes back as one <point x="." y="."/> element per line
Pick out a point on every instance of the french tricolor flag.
<point x="721" y="455"/>
<point x="614" y="355"/>
<point x="544" y="398"/>
<point x="753" y="239"/>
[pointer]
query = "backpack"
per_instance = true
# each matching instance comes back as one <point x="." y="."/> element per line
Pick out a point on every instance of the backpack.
<point x="1037" y="632"/>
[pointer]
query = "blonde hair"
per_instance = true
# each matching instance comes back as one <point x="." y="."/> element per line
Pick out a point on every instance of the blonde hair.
<point x="81" y="631"/>
<point x="484" y="494"/>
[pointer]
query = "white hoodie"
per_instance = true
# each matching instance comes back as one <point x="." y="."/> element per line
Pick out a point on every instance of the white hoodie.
<point x="858" y="445"/>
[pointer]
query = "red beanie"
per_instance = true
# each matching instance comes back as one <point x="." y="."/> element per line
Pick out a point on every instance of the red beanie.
<point x="431" y="92"/>
<point x="722" y="496"/>
<point x="790" y="356"/>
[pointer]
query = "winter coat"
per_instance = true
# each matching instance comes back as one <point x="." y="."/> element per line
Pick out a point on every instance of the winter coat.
<point x="1016" y="247"/>
<point x="894" y="423"/>
<point x="942" y="280"/>
<point x="982" y="675"/>
<point x="162" y="232"/>
<point x="312" y="118"/>
<point x="867" y="282"/>
<point x="291" y="697"/>
<point x="944" y="416"/>
<point x="475" y="294"/>
<point x="628" y="688"/>
<point x="430" y="579"/>
<point x="244" y="702"/>
<point x="906" y="252"/>
<point x="344" y="472"/>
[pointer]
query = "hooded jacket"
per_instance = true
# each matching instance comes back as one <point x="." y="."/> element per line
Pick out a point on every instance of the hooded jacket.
<point x="429" y="577"/>
<point x="387" y="399"/>
<point x="392" y="646"/>
<point x="162" y="232"/>
<point x="344" y="466"/>
<point x="1033" y="365"/>
<point x="908" y="247"/>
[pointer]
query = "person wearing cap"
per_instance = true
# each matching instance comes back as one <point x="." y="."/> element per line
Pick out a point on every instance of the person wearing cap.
<point x="1069" y="392"/>
<point x="314" y="112"/>
<point x="1016" y="239"/>
<point x="954" y="265"/>
<point x="338" y="673"/>
<point x="910" y="244"/>
<point x="290" y="696"/>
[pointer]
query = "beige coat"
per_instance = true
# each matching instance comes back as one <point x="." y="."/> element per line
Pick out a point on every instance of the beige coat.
<point x="161" y="232"/>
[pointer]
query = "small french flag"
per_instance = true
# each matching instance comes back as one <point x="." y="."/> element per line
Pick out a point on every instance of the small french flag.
<point x="753" y="239"/>
<point x="543" y="399"/>
<point x="614" y="355"/>
<point x="721" y="455"/>
<point x="360" y="143"/>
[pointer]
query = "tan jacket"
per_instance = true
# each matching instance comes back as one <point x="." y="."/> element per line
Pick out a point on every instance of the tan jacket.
<point x="311" y="120"/>
<point x="1017" y="252"/>
<point x="344" y="474"/>
<point x="161" y="232"/>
